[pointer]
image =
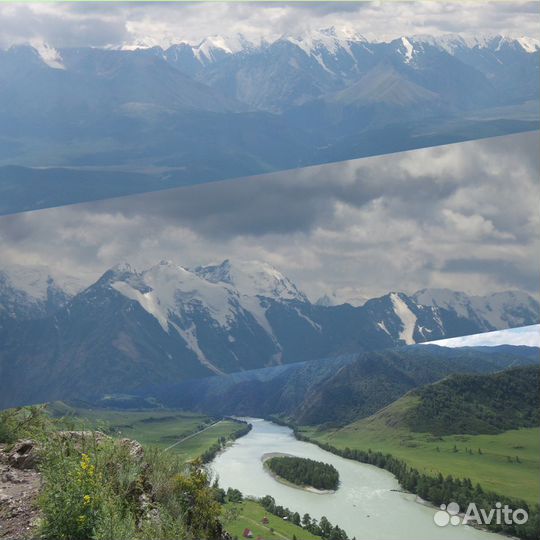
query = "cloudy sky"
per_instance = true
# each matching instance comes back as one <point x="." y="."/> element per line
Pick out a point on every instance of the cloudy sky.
<point x="113" y="24"/>
<point x="462" y="216"/>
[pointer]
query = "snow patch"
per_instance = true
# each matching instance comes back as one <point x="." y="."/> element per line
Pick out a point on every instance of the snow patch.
<point x="312" y="323"/>
<point x="529" y="45"/>
<point x="49" y="55"/>
<point x="407" y="317"/>
<point x="409" y="49"/>
<point x="382" y="326"/>
<point x="189" y="335"/>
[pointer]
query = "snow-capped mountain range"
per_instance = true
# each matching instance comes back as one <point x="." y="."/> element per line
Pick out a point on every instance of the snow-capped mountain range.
<point x="315" y="43"/>
<point x="320" y="61"/>
<point x="168" y="323"/>
<point x="334" y="40"/>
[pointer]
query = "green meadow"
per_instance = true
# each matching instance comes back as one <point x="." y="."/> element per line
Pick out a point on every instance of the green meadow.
<point x="156" y="427"/>
<point x="507" y="463"/>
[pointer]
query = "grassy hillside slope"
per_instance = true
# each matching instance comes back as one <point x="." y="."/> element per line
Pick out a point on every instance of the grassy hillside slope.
<point x="450" y="428"/>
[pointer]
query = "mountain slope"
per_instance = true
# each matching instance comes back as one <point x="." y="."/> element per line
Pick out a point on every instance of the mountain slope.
<point x="336" y="391"/>
<point x="169" y="323"/>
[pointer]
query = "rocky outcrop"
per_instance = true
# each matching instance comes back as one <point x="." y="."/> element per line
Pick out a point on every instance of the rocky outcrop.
<point x="20" y="484"/>
<point x="24" y="455"/>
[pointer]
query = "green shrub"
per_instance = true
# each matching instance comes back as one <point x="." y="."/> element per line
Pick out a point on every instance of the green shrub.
<point x="90" y="490"/>
<point x="93" y="488"/>
<point x="24" y="423"/>
<point x="200" y="510"/>
<point x="72" y="496"/>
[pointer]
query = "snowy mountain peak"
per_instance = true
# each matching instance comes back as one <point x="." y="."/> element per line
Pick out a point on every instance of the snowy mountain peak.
<point x="451" y="43"/>
<point x="252" y="278"/>
<point x="123" y="266"/>
<point x="344" y="33"/>
<point x="498" y="310"/>
<point x="216" y="273"/>
<point x="330" y="40"/>
<point x="529" y="45"/>
<point x="219" y="291"/>
<point x="344" y="295"/>
<point x="36" y="281"/>
<point x="168" y="290"/>
<point x="210" y="48"/>
<point x="28" y="292"/>
<point x="143" y="43"/>
<point x="119" y="270"/>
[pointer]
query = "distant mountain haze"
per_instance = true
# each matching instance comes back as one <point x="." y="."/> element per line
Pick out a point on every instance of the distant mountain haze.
<point x="227" y="107"/>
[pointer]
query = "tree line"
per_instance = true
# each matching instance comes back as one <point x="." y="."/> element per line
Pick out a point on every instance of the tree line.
<point x="439" y="489"/>
<point x="210" y="453"/>
<point x="322" y="528"/>
<point x="304" y="472"/>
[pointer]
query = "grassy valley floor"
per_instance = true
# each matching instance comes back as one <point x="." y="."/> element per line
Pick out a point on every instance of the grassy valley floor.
<point x="186" y="434"/>
<point x="249" y="514"/>
<point x="495" y="467"/>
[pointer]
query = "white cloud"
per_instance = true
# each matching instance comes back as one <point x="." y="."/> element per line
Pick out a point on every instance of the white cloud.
<point x="96" y="24"/>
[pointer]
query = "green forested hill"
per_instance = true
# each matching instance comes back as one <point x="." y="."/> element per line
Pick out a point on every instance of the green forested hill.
<point x="478" y="403"/>
<point x="482" y="427"/>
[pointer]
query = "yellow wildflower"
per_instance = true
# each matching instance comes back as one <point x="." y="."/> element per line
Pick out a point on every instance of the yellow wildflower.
<point x="85" y="460"/>
<point x="91" y="470"/>
<point x="82" y="519"/>
<point x="86" y="499"/>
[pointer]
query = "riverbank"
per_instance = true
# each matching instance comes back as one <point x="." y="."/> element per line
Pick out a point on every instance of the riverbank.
<point x="434" y="491"/>
<point x="507" y="463"/>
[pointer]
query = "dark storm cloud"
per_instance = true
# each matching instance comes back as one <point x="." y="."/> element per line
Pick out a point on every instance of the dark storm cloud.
<point x="462" y="216"/>
<point x="523" y="276"/>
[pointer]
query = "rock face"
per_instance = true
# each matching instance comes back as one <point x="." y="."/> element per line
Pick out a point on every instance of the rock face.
<point x="135" y="449"/>
<point x="24" y="455"/>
